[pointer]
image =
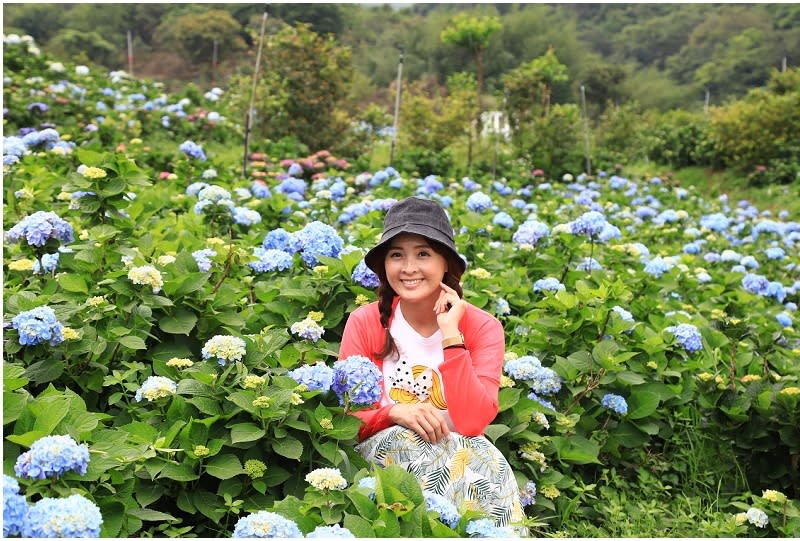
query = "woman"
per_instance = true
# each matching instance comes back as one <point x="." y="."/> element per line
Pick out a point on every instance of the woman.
<point x="441" y="359"/>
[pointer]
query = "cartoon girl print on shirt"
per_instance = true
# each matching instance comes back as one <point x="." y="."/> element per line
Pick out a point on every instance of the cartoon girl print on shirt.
<point x="417" y="384"/>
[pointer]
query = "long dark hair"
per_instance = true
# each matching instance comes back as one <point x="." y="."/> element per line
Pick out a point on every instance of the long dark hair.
<point x="386" y="294"/>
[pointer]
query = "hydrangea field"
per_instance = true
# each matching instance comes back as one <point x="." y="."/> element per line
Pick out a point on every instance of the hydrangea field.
<point x="171" y="331"/>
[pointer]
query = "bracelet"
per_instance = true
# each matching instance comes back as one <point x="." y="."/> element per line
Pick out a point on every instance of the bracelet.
<point x="462" y="346"/>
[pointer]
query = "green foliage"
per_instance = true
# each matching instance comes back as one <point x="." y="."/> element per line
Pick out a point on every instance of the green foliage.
<point x="74" y="44"/>
<point x="554" y="142"/>
<point x="472" y="34"/>
<point x="195" y="34"/>
<point x="759" y="128"/>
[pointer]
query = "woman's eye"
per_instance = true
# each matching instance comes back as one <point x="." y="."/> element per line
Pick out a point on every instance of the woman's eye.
<point x="423" y="254"/>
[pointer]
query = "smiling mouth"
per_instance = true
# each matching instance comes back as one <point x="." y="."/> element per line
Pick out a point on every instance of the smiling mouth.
<point x="411" y="282"/>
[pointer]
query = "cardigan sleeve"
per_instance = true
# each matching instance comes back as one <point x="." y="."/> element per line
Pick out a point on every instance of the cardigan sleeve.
<point x="359" y="338"/>
<point x="471" y="376"/>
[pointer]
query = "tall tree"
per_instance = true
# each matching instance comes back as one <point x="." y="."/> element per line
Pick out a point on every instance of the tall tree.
<point x="473" y="34"/>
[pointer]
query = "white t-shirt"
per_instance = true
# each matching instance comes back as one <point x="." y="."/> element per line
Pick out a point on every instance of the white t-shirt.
<point x="413" y="375"/>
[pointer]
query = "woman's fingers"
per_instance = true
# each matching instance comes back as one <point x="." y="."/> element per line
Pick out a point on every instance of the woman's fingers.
<point x="422" y="419"/>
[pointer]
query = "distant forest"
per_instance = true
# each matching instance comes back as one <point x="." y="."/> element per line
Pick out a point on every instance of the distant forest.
<point x="663" y="56"/>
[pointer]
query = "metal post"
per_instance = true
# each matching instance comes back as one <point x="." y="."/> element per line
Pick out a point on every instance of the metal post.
<point x="396" y="107"/>
<point x="214" y="61"/>
<point x="130" y="54"/>
<point x="707" y="102"/>
<point x="250" y="112"/>
<point x="783" y="64"/>
<point x="496" y="125"/>
<point x="586" y="132"/>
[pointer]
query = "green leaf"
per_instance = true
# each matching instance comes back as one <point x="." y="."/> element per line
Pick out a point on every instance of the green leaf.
<point x="224" y="466"/>
<point x="508" y="397"/>
<point x="208" y="504"/>
<point x="576" y="449"/>
<point x="181" y="322"/>
<point x="132" y="342"/>
<point x="641" y="404"/>
<point x="150" y="514"/>
<point x="288" y="447"/>
<point x="13" y="404"/>
<point x="73" y="283"/>
<point x="495" y="431"/>
<point x="178" y="472"/>
<point x="631" y="378"/>
<point x="44" y="371"/>
<point x="358" y="526"/>
<point x="244" y="432"/>
<point x="13" y="376"/>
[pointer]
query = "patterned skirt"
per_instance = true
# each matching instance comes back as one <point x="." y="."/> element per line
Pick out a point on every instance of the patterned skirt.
<point x="469" y="471"/>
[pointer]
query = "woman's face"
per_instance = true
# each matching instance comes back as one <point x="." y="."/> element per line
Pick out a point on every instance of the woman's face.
<point x="413" y="269"/>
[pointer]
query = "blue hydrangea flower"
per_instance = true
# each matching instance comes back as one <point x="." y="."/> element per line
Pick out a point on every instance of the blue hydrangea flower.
<point x="691" y="248"/>
<point x="479" y="202"/>
<point x="202" y="257"/>
<point x="368" y="483"/>
<point x="15" y="508"/>
<point x="71" y="517"/>
<point x="522" y="368"/>
<point x="195" y="187"/>
<point x="358" y="379"/>
<point x="542" y="401"/>
<point x="318" y="239"/>
<point x="589" y="223"/>
<point x="271" y="260"/>
<point x="246" y="216"/>
<point x="624" y="314"/>
<point x="784" y="319"/>
<point x="40" y="227"/>
<point x="292" y="186"/>
<point x="279" y="239"/>
<point x="715" y="222"/>
<point x="588" y="264"/>
<point x="755" y="283"/>
<point x="776" y="291"/>
<point x="38" y="325"/>
<point x="687" y="336"/>
<point x="548" y="284"/>
<point x="308" y="329"/>
<point x="260" y="189"/>
<point x="49" y="262"/>
<point x="615" y="403"/>
<point x="503" y="219"/>
<point x="502" y="308"/>
<point x="657" y="266"/>
<point x="52" y="456"/>
<point x="265" y="524"/>
<point x="545" y="381"/>
<point x="527" y="495"/>
<point x="295" y="170"/>
<point x="484" y="527"/>
<point x="364" y="276"/>
<point x="193" y="150"/>
<point x="317" y="377"/>
<point x="749" y="262"/>
<point x="774" y="253"/>
<point x="529" y="232"/>
<point x="448" y="513"/>
<point x="609" y="232"/>
<point x="329" y="532"/>
<point x="14" y="146"/>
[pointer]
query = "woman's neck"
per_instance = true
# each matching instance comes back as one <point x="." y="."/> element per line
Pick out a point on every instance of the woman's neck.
<point x="421" y="317"/>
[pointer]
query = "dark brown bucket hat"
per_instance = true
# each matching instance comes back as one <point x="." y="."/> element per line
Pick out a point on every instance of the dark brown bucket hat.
<point x="414" y="215"/>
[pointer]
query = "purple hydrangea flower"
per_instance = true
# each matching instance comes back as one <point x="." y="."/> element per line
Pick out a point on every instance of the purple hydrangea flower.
<point x="358" y="380"/>
<point x="589" y="223"/>
<point x="529" y="232"/>
<point x="527" y="495"/>
<point x="40" y="227"/>
<point x="364" y="276"/>
<point x="193" y="150"/>
<point x="202" y="258"/>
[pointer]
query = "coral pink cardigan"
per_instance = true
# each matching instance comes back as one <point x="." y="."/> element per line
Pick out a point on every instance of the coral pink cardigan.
<point x="471" y="376"/>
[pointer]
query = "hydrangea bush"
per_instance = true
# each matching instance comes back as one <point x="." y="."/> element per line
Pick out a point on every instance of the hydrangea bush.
<point x="187" y="334"/>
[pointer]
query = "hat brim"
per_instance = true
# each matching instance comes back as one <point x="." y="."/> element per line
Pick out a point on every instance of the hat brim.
<point x="374" y="257"/>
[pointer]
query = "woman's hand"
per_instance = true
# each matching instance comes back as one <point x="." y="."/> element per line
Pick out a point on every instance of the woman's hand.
<point x="424" y="419"/>
<point x="449" y="309"/>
